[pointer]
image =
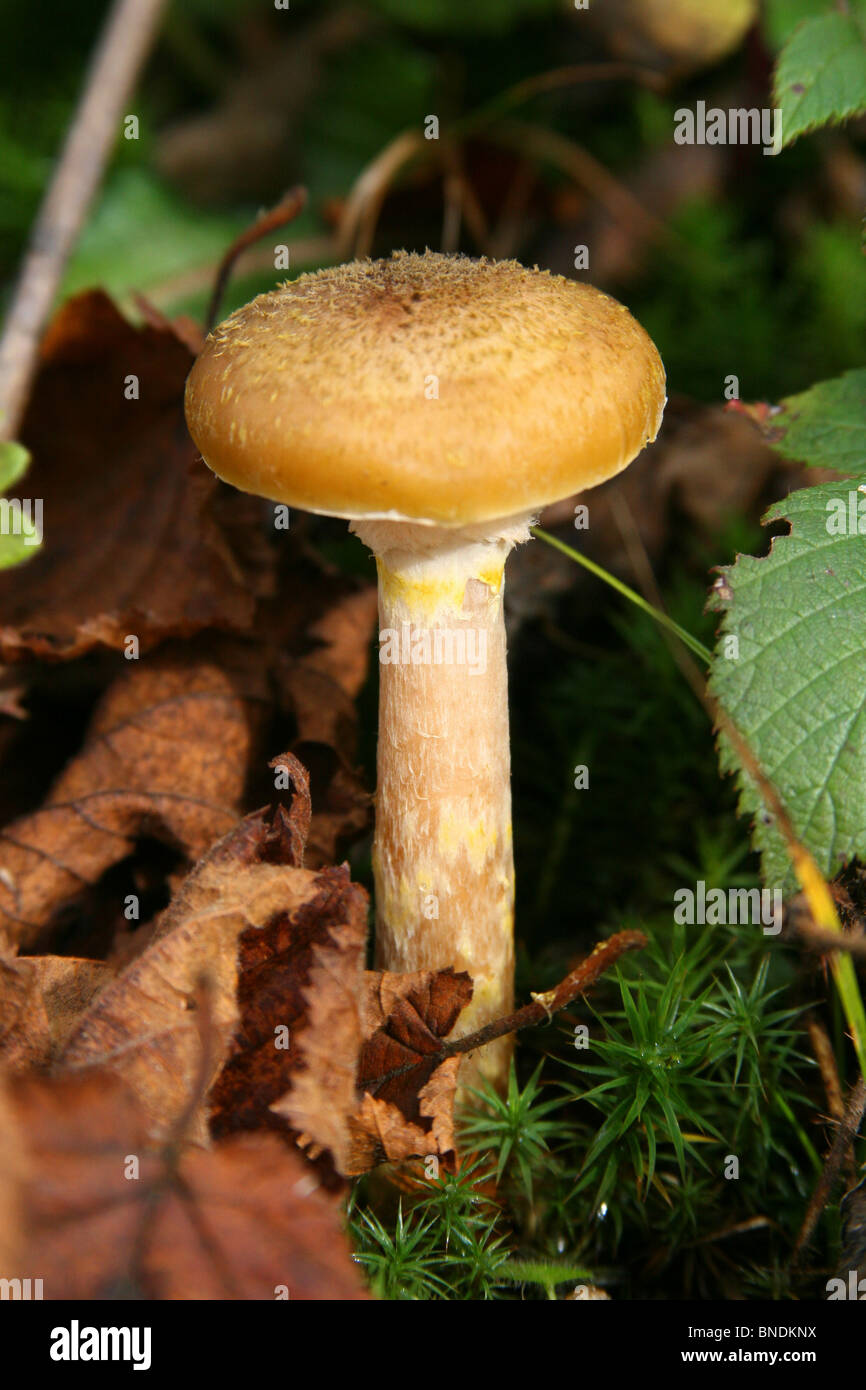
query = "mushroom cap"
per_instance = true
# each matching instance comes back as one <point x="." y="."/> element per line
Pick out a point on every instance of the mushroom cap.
<point x="428" y="388"/>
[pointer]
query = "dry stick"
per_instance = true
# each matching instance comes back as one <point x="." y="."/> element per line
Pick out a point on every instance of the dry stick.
<point x="846" y="1133"/>
<point x="541" y="1010"/>
<point x="821" y="940"/>
<point x="361" y="210"/>
<point x="544" y="1006"/>
<point x="198" y="279"/>
<point x="287" y="209"/>
<point x="574" y="73"/>
<point x="824" y="1056"/>
<point x="120" y="53"/>
<point x="507" y="230"/>
<point x="457" y="190"/>
<point x="823" y="1050"/>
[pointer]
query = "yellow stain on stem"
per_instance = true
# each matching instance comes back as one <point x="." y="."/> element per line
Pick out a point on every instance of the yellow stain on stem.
<point x="428" y="596"/>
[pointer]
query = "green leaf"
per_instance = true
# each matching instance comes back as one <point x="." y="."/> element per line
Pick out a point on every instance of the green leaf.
<point x="797" y="685"/>
<point x="15" y="550"/>
<point x="141" y="235"/>
<point x="825" y="426"/>
<point x="781" y="17"/>
<point x="821" y="74"/>
<point x="14" y="462"/>
<point x="20" y="536"/>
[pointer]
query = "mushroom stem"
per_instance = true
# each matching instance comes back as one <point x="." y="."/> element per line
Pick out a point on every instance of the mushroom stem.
<point x="443" y="861"/>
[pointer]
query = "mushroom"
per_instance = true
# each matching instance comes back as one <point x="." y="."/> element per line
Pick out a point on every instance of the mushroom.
<point x="437" y="403"/>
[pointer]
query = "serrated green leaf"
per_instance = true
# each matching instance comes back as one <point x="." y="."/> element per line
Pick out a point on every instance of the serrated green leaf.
<point x="821" y="73"/>
<point x="825" y="426"/>
<point x="796" y="689"/>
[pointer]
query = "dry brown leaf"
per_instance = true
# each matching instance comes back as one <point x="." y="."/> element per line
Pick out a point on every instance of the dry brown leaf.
<point x="286" y="835"/>
<point x="321" y="688"/>
<point x="138" y="538"/>
<point x="145" y="1026"/>
<point x="166" y="756"/>
<point x="344" y="633"/>
<point x="405" y="1018"/>
<point x="303" y="973"/>
<point x="13" y="1171"/>
<point x="316" y="1033"/>
<point x="381" y="1134"/>
<point x="106" y="1216"/>
<point x="400" y="1022"/>
<point x="41" y="999"/>
<point x="165" y="1023"/>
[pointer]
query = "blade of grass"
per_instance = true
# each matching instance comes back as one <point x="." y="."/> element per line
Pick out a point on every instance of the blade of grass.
<point x="695" y="647"/>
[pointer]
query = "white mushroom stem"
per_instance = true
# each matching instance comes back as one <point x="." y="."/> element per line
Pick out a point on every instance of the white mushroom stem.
<point x="443" y="860"/>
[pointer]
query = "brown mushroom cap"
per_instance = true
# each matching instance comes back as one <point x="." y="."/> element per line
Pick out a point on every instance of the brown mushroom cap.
<point x="321" y="393"/>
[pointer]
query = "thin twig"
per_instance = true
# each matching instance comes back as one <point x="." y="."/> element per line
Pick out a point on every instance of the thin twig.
<point x="572" y="75"/>
<point x="361" y="210"/>
<point x="823" y="1050"/>
<point x="452" y="213"/>
<point x="506" y="233"/>
<point x="548" y="145"/>
<point x="541" y="1010"/>
<point x="460" y="201"/>
<point x="826" y="1059"/>
<point x="123" y="46"/>
<point x="820" y="939"/>
<point x="198" y="279"/>
<point x="544" y="1006"/>
<point x="846" y="1133"/>
<point x="287" y="209"/>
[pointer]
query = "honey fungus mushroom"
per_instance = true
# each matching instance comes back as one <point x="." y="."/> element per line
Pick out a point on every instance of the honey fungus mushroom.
<point x="437" y="403"/>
